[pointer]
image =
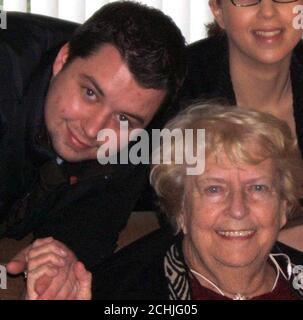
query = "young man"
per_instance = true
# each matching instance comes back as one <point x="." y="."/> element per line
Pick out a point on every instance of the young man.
<point x="125" y="63"/>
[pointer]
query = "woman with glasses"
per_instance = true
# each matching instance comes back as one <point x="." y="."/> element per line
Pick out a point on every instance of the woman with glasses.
<point x="253" y="58"/>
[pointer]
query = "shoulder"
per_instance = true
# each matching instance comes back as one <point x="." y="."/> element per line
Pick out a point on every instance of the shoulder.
<point x="206" y="48"/>
<point x="293" y="237"/>
<point x="136" y="272"/>
<point x="23" y="26"/>
<point x="24" y="43"/>
<point x="206" y="53"/>
<point x="206" y="60"/>
<point x="296" y="256"/>
<point x="298" y="51"/>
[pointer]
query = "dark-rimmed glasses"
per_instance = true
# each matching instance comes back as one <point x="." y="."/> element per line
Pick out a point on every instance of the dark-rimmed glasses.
<point x="249" y="3"/>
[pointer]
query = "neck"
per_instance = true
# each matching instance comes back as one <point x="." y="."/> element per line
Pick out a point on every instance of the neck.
<point x="258" y="85"/>
<point x="249" y="281"/>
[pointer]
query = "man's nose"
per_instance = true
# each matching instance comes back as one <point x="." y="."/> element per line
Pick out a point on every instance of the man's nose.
<point x="267" y="9"/>
<point x="238" y="205"/>
<point x="96" y="122"/>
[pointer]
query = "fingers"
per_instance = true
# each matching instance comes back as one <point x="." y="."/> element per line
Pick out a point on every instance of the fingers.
<point x="42" y="284"/>
<point x="34" y="275"/>
<point x="76" y="287"/>
<point x="45" y="258"/>
<point x="62" y="286"/>
<point x="47" y="252"/>
<point x="49" y="255"/>
<point x="42" y="241"/>
<point x="84" y="278"/>
<point x="73" y="295"/>
<point x="74" y="292"/>
<point x="39" y="248"/>
<point x="19" y="263"/>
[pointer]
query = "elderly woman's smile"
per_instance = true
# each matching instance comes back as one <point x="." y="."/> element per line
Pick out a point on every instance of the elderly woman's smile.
<point x="236" y="234"/>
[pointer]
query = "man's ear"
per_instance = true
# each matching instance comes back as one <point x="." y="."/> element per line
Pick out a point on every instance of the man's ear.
<point x="61" y="59"/>
<point x="216" y="9"/>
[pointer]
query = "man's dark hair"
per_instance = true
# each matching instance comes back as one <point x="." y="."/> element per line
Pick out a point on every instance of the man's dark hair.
<point x="149" y="42"/>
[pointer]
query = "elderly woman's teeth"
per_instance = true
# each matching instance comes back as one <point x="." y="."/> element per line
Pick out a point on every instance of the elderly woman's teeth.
<point x="244" y="233"/>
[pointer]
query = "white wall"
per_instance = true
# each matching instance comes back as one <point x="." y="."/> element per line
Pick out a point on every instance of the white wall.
<point x="190" y="15"/>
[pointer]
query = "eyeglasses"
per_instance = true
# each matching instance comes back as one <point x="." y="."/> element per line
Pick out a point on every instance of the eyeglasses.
<point x="249" y="3"/>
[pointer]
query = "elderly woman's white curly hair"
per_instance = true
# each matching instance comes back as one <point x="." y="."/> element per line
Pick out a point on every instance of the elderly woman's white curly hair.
<point x="246" y="136"/>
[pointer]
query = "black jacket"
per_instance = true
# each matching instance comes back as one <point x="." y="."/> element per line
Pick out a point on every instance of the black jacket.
<point x="36" y="194"/>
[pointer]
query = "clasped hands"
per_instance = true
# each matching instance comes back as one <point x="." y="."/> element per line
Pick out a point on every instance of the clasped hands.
<point x="53" y="272"/>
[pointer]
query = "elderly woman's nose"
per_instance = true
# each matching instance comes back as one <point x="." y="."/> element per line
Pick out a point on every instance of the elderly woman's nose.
<point x="238" y="208"/>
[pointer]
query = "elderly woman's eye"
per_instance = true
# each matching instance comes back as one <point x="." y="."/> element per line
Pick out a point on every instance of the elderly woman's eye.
<point x="259" y="188"/>
<point x="214" y="189"/>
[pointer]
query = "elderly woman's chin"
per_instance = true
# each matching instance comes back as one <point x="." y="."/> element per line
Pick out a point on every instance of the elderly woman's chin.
<point x="239" y="256"/>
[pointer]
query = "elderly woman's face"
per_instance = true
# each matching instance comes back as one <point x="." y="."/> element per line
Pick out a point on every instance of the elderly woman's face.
<point x="263" y="32"/>
<point x="232" y="215"/>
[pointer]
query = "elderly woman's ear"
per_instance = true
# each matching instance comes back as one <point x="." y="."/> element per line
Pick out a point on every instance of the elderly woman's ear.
<point x="181" y="217"/>
<point x="285" y="209"/>
<point x="181" y="222"/>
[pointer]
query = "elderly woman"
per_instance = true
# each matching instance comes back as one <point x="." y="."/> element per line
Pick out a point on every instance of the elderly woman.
<point x="228" y="219"/>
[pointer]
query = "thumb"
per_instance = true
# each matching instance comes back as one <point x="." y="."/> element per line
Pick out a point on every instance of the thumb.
<point x="85" y="281"/>
<point x="19" y="263"/>
<point x="42" y="284"/>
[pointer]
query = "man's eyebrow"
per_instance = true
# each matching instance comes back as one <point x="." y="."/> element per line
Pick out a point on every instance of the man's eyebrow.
<point x="93" y="81"/>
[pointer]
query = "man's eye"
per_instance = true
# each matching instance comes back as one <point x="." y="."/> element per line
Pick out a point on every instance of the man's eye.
<point x="90" y="92"/>
<point x="122" y="117"/>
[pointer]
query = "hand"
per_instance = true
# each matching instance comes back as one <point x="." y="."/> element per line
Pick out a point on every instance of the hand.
<point x="77" y="289"/>
<point x="53" y="271"/>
